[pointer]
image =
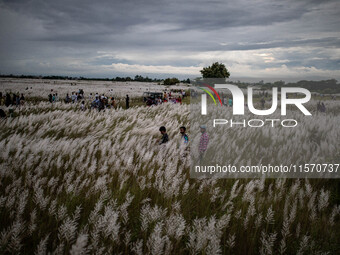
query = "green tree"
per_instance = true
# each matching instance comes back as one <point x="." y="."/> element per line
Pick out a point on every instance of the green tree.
<point x="216" y="70"/>
<point x="171" y="81"/>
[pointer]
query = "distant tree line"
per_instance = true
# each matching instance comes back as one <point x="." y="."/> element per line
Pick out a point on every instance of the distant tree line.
<point x="140" y="78"/>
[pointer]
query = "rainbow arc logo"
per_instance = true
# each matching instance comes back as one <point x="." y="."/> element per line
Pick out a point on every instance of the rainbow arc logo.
<point x="209" y="93"/>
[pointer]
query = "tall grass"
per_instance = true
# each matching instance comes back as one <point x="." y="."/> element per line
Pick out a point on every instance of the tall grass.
<point x="87" y="182"/>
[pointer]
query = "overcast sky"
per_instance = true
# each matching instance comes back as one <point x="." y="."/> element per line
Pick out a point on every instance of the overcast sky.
<point x="259" y="39"/>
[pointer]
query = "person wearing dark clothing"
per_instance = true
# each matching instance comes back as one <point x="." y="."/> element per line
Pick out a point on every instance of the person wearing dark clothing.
<point x="22" y="99"/>
<point x="318" y="107"/>
<point x="262" y="102"/>
<point x="165" y="137"/>
<point x="17" y="100"/>
<point x="14" y="100"/>
<point x="50" y="98"/>
<point x="8" y="101"/>
<point x="67" y="99"/>
<point x="127" y="102"/>
<point x="185" y="137"/>
<point x="2" y="114"/>
<point x="101" y="104"/>
<point x="81" y="93"/>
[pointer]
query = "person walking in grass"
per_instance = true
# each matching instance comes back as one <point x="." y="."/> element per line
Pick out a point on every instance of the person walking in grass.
<point x="14" y="99"/>
<point x="113" y="102"/>
<point x="318" y="106"/>
<point x="2" y="114"/>
<point x="8" y="100"/>
<point x="22" y="99"/>
<point x="82" y="106"/>
<point x="73" y="98"/>
<point x="230" y="102"/>
<point x="262" y="103"/>
<point x="165" y="137"/>
<point x="127" y="100"/>
<point x="67" y="99"/>
<point x="183" y="145"/>
<point x="185" y="138"/>
<point x="17" y="100"/>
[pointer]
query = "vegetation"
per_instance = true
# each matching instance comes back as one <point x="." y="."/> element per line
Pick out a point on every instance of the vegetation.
<point x="139" y="78"/>
<point x="87" y="182"/>
<point x="170" y="81"/>
<point x="216" y="70"/>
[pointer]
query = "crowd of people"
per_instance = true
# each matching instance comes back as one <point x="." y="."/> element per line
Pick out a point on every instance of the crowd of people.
<point x="101" y="102"/>
<point x="13" y="99"/>
<point x="96" y="101"/>
<point x="159" y="98"/>
<point x="92" y="101"/>
<point x="10" y="100"/>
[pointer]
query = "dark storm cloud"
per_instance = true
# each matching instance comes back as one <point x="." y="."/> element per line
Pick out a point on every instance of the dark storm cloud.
<point x="63" y="33"/>
<point x="65" y="18"/>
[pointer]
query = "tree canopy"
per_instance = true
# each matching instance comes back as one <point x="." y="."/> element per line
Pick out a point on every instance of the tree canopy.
<point x="171" y="81"/>
<point x="216" y="70"/>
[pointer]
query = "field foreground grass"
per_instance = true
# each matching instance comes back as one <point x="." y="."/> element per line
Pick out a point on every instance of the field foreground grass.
<point x="87" y="182"/>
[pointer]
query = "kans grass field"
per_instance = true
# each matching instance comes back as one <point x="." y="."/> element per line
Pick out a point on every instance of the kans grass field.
<point x="85" y="182"/>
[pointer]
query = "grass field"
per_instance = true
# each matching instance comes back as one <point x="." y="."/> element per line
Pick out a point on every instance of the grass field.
<point x="82" y="182"/>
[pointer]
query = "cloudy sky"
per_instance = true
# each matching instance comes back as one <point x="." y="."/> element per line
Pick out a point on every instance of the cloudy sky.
<point x="257" y="39"/>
